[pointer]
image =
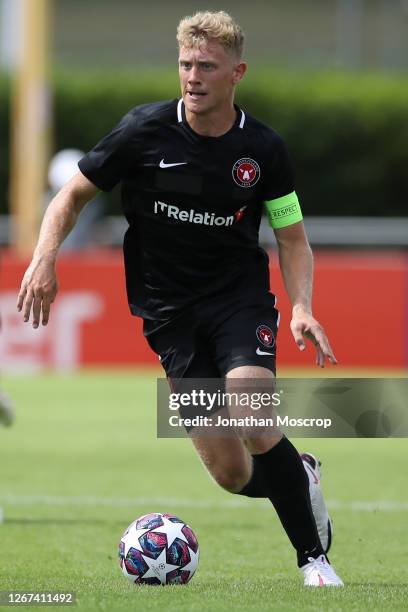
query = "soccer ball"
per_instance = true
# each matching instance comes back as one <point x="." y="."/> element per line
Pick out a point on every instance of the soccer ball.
<point x="158" y="549"/>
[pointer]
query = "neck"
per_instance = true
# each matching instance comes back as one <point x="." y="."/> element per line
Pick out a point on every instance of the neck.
<point x="212" y="124"/>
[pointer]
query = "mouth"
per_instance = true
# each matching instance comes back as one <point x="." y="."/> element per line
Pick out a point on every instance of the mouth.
<point x="195" y="95"/>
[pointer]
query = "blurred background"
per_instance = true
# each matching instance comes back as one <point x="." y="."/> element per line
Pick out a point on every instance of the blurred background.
<point x="83" y="459"/>
<point x="329" y="75"/>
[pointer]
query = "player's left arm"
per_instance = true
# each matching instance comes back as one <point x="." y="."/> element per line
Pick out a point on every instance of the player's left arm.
<point x="296" y="264"/>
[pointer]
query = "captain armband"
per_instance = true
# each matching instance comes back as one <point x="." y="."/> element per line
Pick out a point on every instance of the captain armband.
<point x="284" y="211"/>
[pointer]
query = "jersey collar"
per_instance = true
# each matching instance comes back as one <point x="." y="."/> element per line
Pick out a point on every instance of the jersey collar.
<point x="181" y="115"/>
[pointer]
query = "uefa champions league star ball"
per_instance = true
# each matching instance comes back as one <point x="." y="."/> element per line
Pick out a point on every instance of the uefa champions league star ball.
<point x="158" y="549"/>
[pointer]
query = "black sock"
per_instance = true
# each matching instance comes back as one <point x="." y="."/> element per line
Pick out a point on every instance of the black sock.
<point x="279" y="475"/>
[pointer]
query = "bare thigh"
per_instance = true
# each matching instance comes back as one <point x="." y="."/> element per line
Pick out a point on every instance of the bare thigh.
<point x="229" y="460"/>
<point x="266" y="441"/>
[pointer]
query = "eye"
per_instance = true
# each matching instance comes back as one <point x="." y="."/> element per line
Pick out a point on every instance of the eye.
<point x="185" y="65"/>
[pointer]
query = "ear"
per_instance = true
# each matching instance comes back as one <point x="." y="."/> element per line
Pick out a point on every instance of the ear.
<point x="238" y="73"/>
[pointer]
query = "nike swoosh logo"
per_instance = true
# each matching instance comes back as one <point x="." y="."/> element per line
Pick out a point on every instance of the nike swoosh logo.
<point x="259" y="352"/>
<point x="164" y="165"/>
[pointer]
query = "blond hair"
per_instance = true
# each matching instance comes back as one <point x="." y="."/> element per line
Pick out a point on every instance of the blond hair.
<point x="207" y="26"/>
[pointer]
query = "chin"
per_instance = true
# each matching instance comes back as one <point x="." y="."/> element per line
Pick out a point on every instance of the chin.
<point x="194" y="107"/>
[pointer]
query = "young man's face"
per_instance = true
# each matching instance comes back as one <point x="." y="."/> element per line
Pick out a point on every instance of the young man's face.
<point x="208" y="76"/>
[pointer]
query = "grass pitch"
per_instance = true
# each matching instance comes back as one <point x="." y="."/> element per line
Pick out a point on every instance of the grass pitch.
<point x="82" y="461"/>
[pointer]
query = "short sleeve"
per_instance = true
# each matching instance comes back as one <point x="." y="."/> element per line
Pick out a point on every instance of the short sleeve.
<point x="279" y="179"/>
<point x="106" y="164"/>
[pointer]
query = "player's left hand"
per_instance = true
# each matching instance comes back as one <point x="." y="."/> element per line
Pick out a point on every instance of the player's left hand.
<point x="304" y="325"/>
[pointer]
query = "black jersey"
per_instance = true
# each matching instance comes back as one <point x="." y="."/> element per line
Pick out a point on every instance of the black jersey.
<point x="193" y="204"/>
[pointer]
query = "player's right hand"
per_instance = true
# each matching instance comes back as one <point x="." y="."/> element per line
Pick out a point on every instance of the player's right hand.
<point x="38" y="291"/>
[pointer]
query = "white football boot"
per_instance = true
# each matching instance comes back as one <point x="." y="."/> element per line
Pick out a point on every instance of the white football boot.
<point x="324" y="523"/>
<point x="319" y="573"/>
<point x="6" y="410"/>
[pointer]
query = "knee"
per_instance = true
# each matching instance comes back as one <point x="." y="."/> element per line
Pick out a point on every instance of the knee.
<point x="230" y="478"/>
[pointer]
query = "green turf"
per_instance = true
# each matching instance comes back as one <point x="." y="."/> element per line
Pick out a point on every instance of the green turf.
<point x="82" y="461"/>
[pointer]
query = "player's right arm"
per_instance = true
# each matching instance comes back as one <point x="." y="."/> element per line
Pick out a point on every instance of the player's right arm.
<point x="39" y="285"/>
<point x="102" y="168"/>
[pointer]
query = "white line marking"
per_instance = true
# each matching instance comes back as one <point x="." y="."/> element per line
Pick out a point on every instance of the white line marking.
<point x="89" y="500"/>
<point x="369" y="506"/>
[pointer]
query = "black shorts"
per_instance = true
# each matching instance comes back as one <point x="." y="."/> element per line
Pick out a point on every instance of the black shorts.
<point x="216" y="336"/>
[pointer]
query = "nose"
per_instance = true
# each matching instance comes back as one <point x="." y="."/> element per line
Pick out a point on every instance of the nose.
<point x="193" y="75"/>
